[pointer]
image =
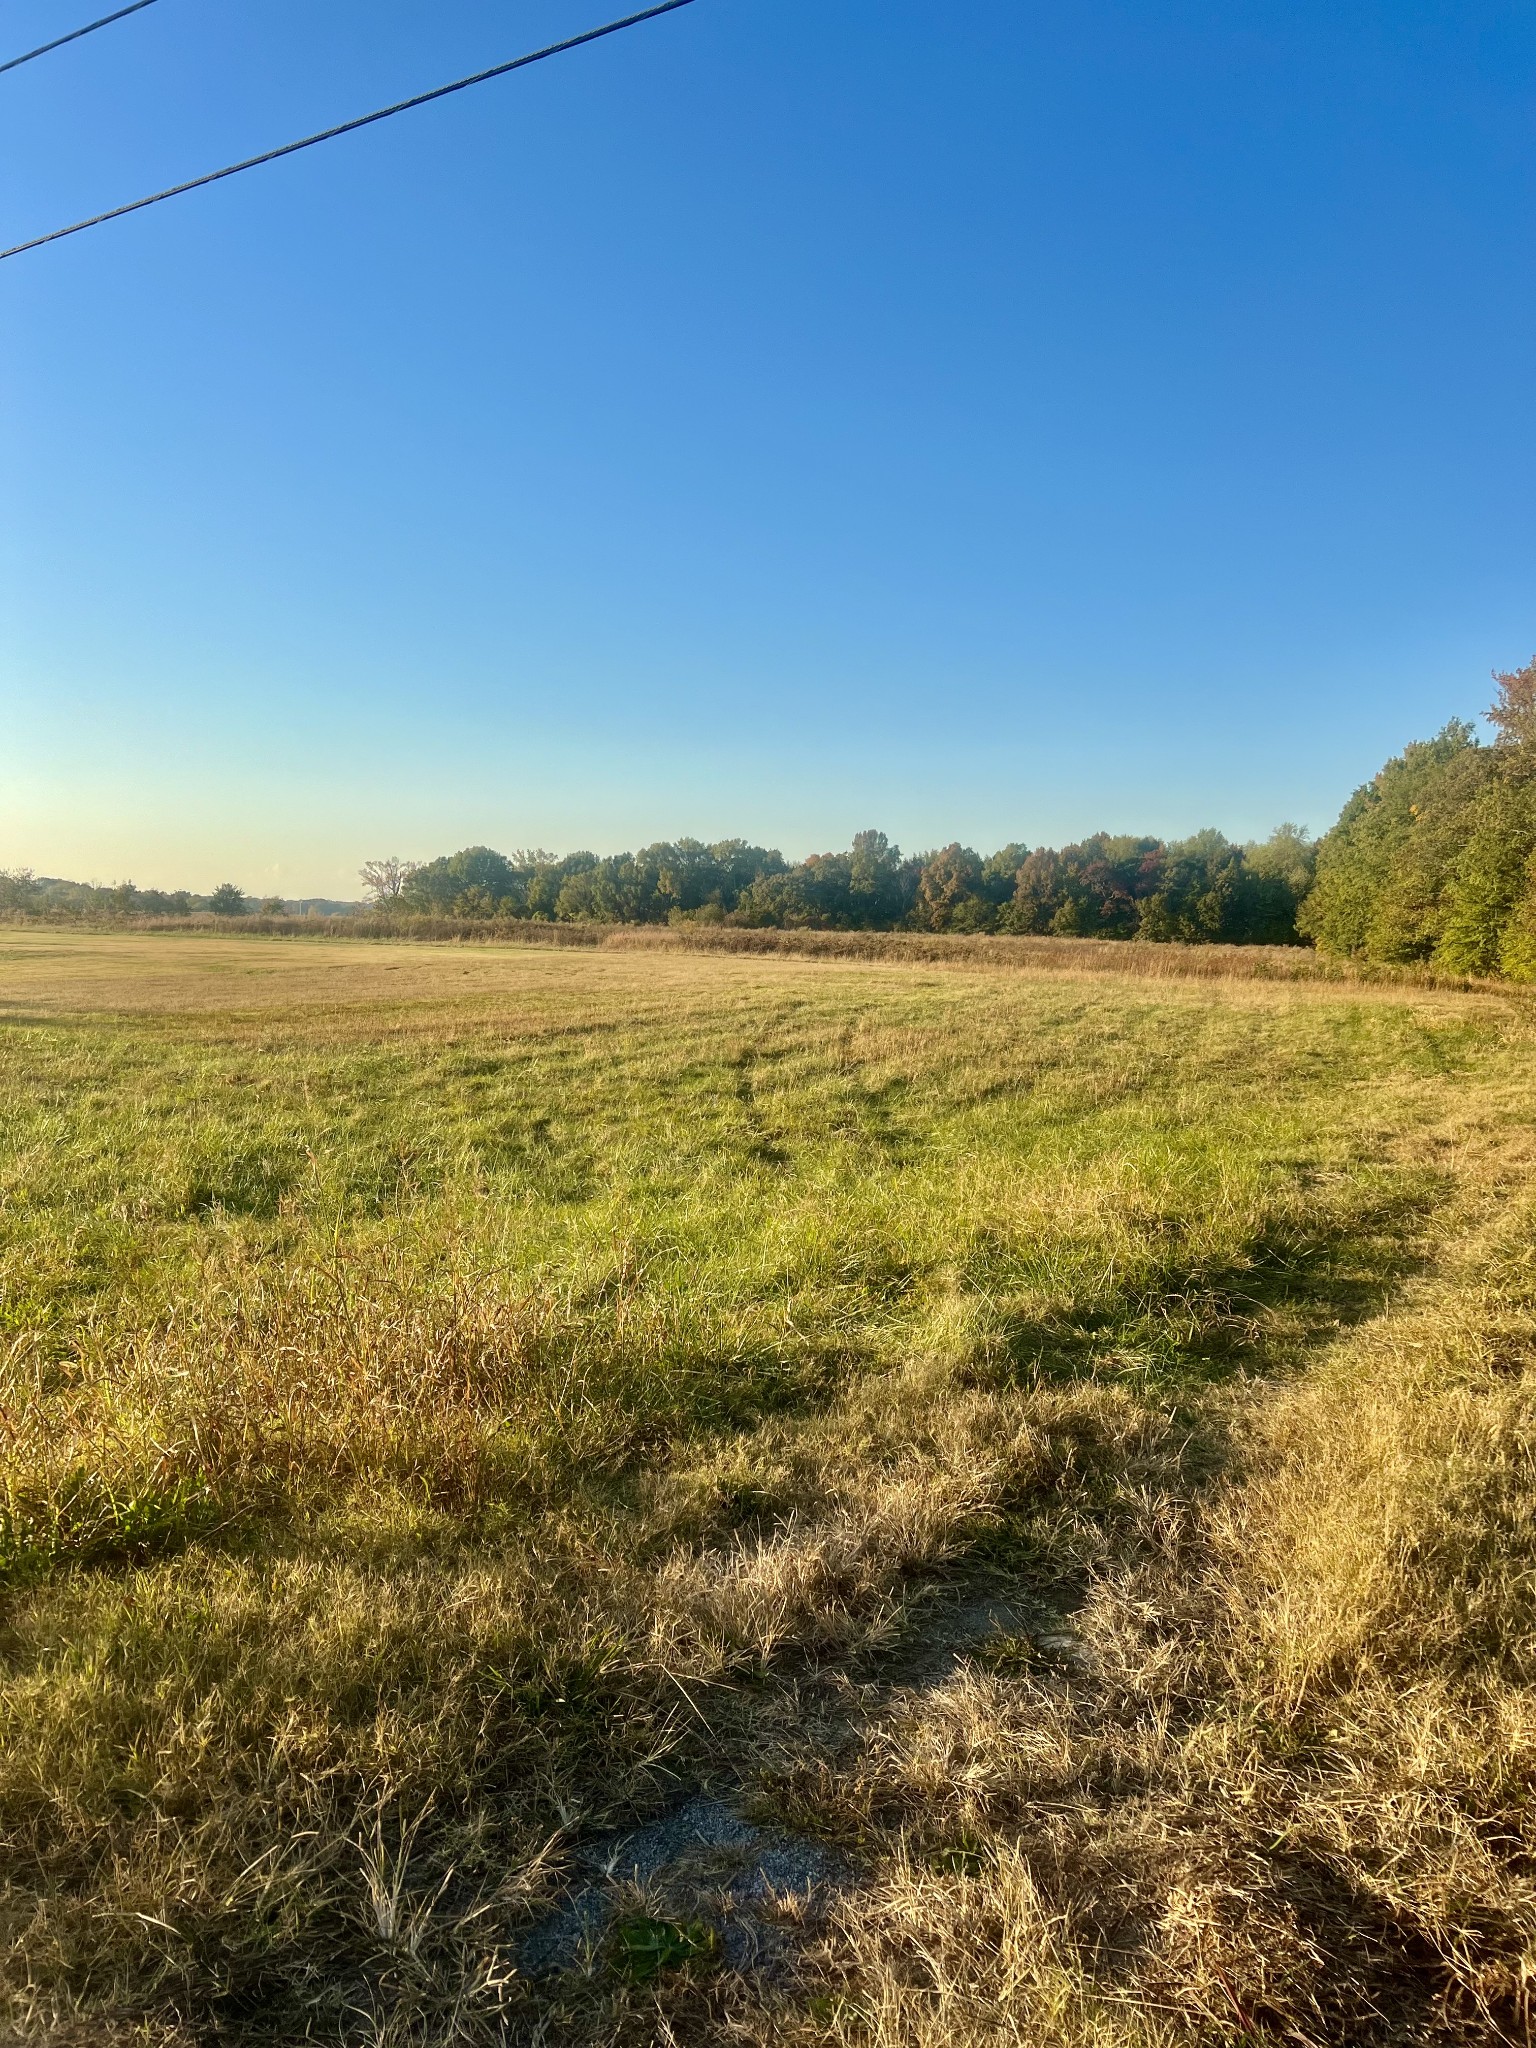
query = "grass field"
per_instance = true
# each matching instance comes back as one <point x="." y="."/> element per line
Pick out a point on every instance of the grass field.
<point x="1057" y="1445"/>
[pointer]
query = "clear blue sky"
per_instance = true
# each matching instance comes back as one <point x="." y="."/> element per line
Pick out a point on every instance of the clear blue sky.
<point x="983" y="419"/>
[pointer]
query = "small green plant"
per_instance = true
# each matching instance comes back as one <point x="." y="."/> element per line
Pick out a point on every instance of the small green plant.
<point x="87" y="1519"/>
<point x="965" y="1858"/>
<point x="1012" y="1653"/>
<point x="647" y="1948"/>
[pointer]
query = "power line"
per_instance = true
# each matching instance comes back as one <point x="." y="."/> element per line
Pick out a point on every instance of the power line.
<point x="420" y="99"/>
<point x="75" y="34"/>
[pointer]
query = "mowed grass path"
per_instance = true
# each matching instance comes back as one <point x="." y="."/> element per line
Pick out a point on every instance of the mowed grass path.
<point x="452" y="1400"/>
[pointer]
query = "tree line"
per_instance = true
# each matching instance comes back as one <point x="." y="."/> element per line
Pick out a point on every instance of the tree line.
<point x="1433" y="860"/>
<point x="1205" y="888"/>
<point x="28" y="895"/>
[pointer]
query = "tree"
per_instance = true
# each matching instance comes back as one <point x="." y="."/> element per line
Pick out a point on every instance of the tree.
<point x="949" y="892"/>
<point x="1436" y="858"/>
<point x="474" y="902"/>
<point x="1288" y="855"/>
<point x="163" y="902"/>
<point x="1038" y="883"/>
<point x="385" y="879"/>
<point x="20" y="890"/>
<point x="739" y="865"/>
<point x="1488" y="878"/>
<point x="1382" y="872"/>
<point x="1098" y="888"/>
<point x="1514" y="708"/>
<point x="1517" y="953"/>
<point x="273" y="906"/>
<point x="619" y="890"/>
<point x="782" y="900"/>
<point x="686" y="877"/>
<point x="1198" y="892"/>
<point x="477" y="874"/>
<point x="228" y="900"/>
<point x="1275" y="876"/>
<point x="1486" y="926"/>
<point x="1000" y="873"/>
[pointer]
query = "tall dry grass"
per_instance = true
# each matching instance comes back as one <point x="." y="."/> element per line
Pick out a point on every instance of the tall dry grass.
<point x="1141" y="958"/>
<point x="1136" y="957"/>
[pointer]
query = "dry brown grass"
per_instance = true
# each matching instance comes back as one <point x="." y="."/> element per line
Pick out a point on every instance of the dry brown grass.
<point x="994" y="954"/>
<point x="1135" y="957"/>
<point x="1281" y="1789"/>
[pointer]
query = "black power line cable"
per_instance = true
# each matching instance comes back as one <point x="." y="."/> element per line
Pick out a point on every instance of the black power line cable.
<point x="75" y="34"/>
<point x="421" y="99"/>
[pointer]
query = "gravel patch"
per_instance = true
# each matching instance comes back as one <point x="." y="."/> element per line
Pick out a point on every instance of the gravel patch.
<point x="758" y="1888"/>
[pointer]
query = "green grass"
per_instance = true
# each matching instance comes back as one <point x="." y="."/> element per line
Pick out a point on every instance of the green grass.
<point x="447" y="1403"/>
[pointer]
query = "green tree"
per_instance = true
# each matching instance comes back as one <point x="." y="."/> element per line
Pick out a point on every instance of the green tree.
<point x="1039" y="890"/>
<point x="1198" y="897"/>
<point x="475" y="901"/>
<point x="228" y="900"/>
<point x="1276" y="874"/>
<point x="1517" y="952"/>
<point x="686" y="877"/>
<point x="20" y="890"/>
<point x="1485" y="922"/>
<point x="1288" y="855"/>
<point x="1488" y="878"/>
<point x="1383" y="870"/>
<point x="1094" y="888"/>
<point x="1000" y="874"/>
<point x="477" y="875"/>
<point x="622" y="889"/>
<point x="738" y="865"/>
<point x="782" y="900"/>
<point x="882" y="887"/>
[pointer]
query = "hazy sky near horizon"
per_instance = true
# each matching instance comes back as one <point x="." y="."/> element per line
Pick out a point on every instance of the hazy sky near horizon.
<point x="989" y="420"/>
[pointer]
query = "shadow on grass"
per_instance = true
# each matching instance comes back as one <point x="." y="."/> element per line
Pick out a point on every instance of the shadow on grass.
<point x="1383" y="1976"/>
<point x="87" y="1521"/>
<point x="577" y="1716"/>
<point x="1191" y="1324"/>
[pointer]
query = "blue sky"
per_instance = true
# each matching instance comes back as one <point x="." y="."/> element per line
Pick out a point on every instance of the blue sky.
<point x="982" y="420"/>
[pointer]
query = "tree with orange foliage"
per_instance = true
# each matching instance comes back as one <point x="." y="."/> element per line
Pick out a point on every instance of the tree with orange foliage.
<point x="1514" y="709"/>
